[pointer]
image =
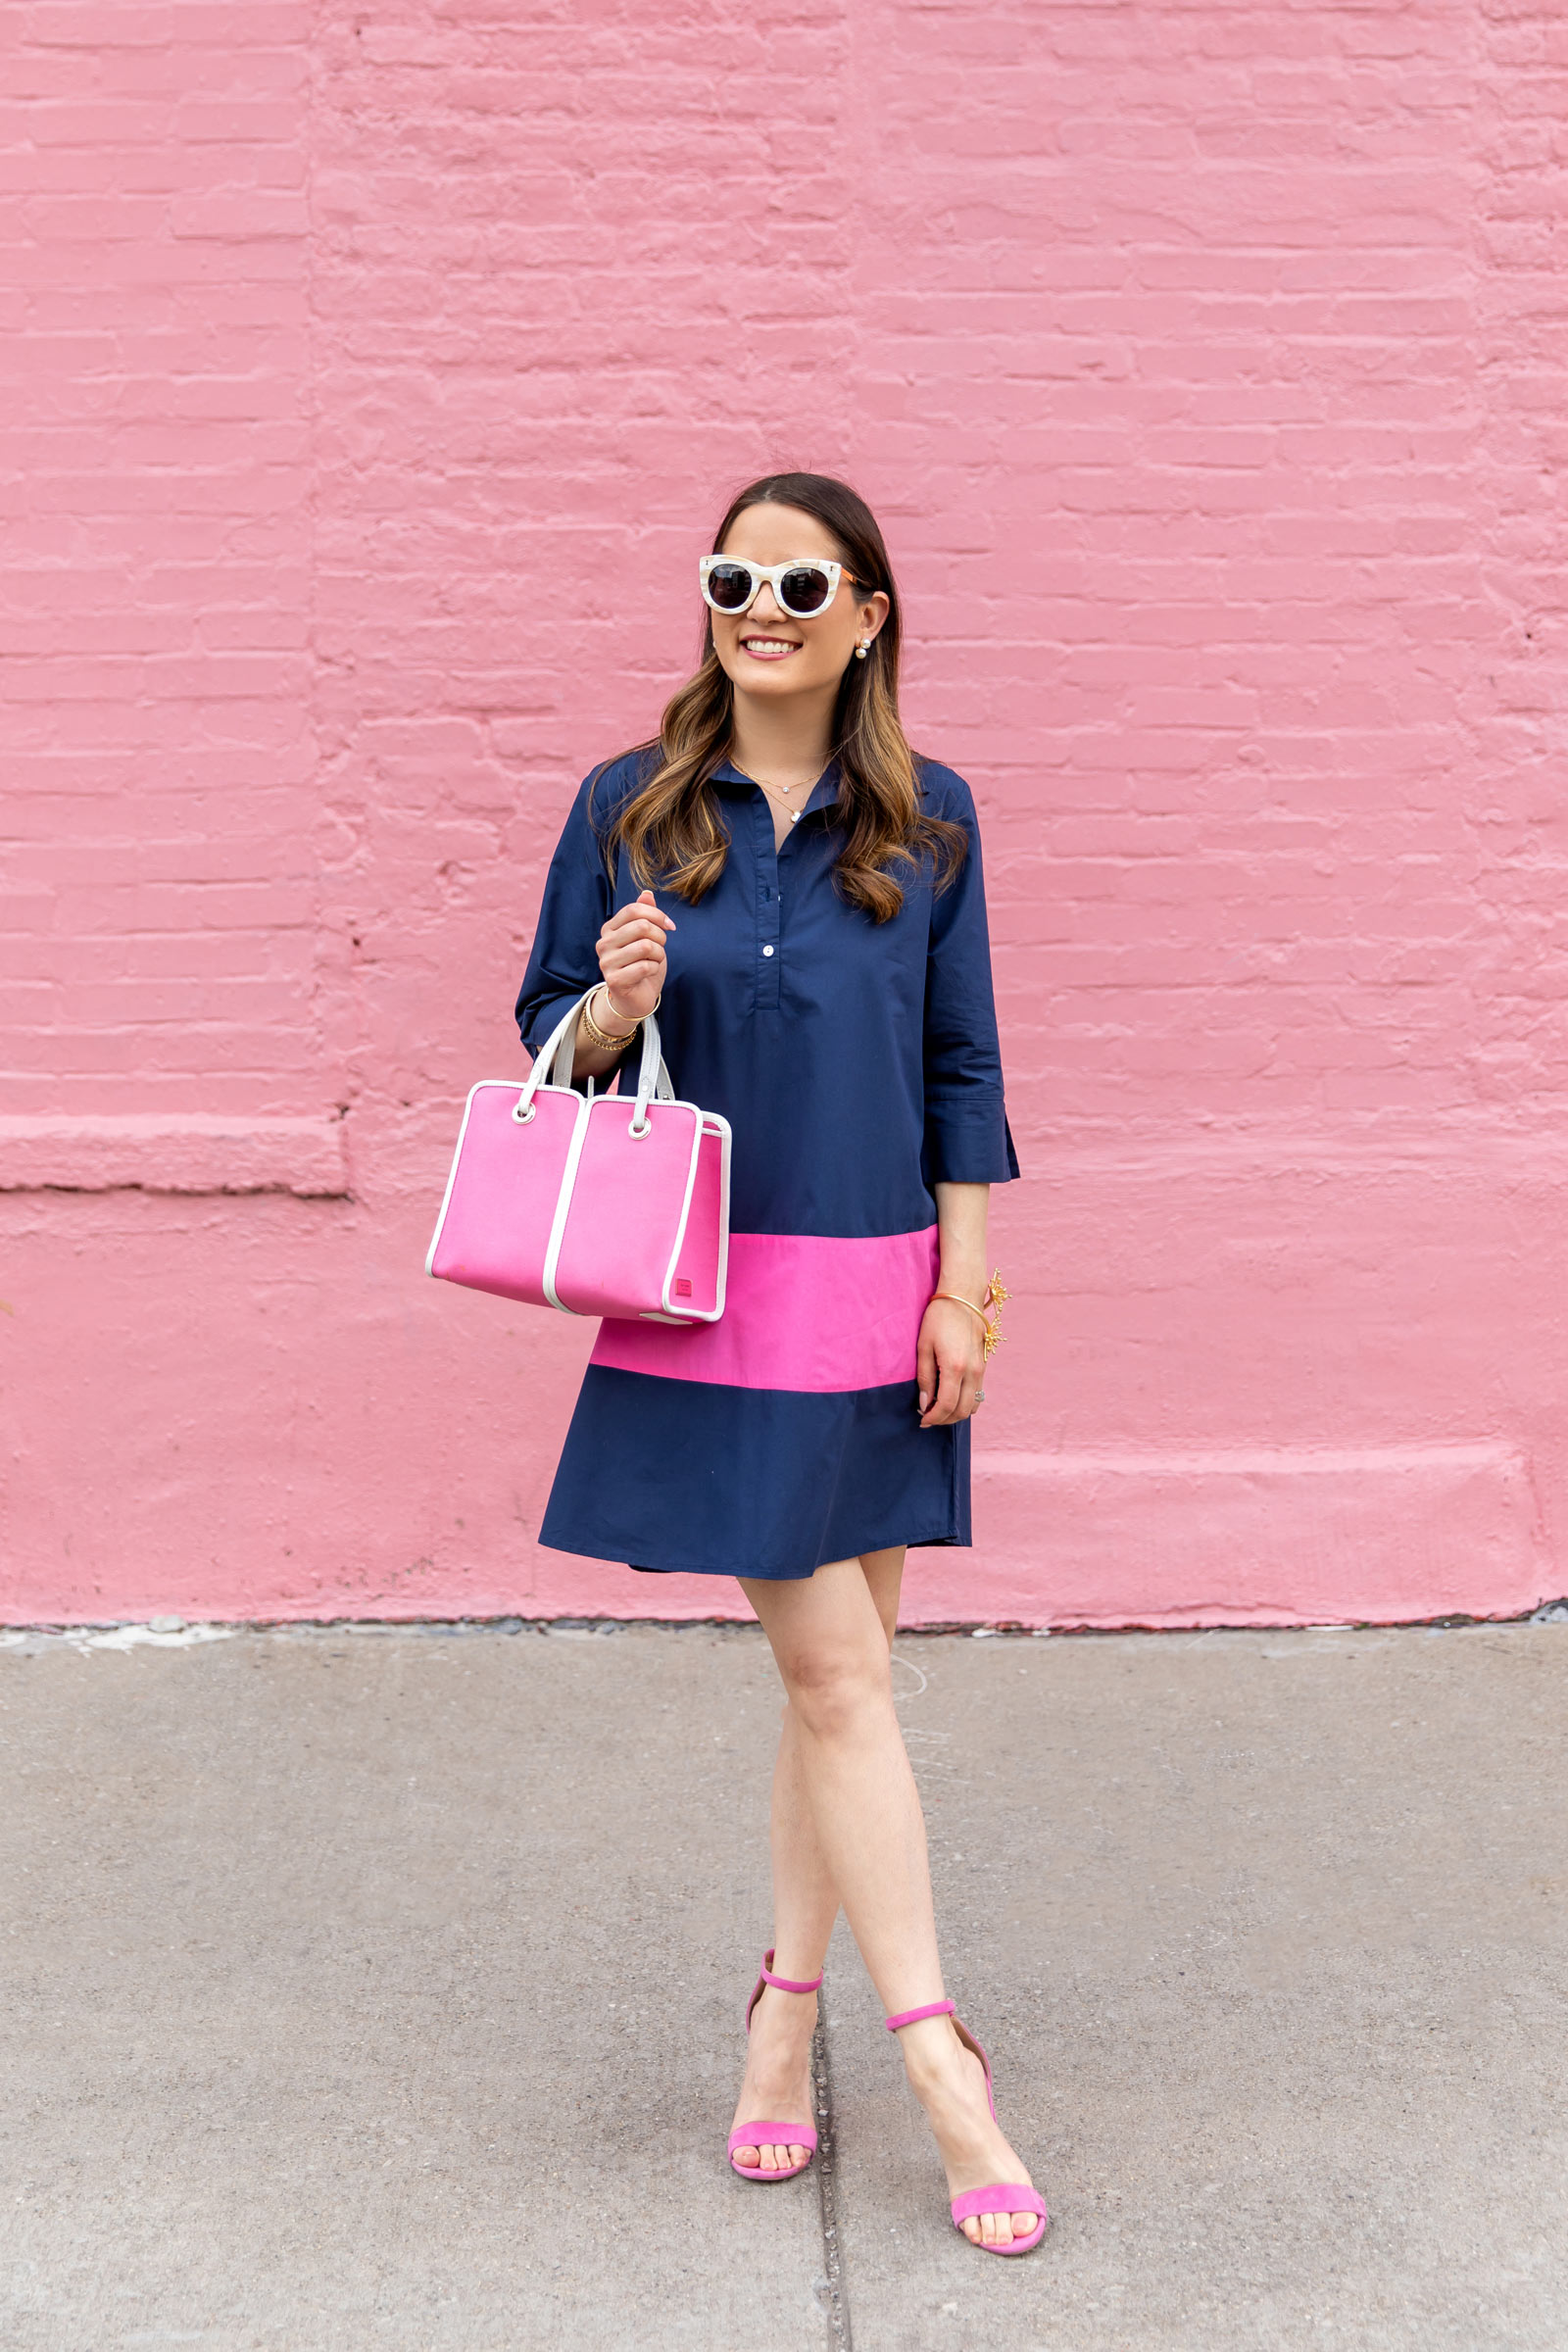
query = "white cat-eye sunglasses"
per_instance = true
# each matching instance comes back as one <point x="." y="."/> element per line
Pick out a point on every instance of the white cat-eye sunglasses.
<point x="801" y="589"/>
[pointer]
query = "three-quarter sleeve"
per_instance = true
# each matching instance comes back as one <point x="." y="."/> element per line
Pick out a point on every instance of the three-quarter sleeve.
<point x="968" y="1139"/>
<point x="578" y="899"/>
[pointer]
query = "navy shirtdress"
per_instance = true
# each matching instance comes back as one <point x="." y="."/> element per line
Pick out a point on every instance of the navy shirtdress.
<point x="858" y="1065"/>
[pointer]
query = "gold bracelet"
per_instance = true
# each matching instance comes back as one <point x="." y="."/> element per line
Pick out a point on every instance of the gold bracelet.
<point x="602" y="1037"/>
<point x="997" y="1293"/>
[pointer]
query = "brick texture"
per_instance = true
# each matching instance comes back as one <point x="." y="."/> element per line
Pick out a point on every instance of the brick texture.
<point x="369" y="380"/>
<point x="158" y="876"/>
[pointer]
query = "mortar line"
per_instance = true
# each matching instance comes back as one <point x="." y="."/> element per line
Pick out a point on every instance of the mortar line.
<point x="827" y="2198"/>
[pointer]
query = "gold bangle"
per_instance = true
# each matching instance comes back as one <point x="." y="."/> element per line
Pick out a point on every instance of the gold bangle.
<point x="996" y="1294"/>
<point x="602" y="1038"/>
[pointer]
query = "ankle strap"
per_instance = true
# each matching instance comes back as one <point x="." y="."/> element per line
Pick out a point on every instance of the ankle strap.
<point x="784" y="1984"/>
<point x="912" y="2016"/>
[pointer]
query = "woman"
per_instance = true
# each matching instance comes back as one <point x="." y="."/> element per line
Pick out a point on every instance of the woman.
<point x="802" y="901"/>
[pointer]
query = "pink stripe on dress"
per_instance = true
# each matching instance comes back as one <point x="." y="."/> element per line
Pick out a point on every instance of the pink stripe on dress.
<point x="803" y="1312"/>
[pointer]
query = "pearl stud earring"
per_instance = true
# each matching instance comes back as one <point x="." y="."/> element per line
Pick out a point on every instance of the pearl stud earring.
<point x="860" y="650"/>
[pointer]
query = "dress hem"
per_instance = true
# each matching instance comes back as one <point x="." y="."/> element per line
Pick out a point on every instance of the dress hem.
<point x="948" y="1540"/>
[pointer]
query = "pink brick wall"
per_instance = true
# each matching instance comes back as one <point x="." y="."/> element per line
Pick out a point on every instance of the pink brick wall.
<point x="369" y="379"/>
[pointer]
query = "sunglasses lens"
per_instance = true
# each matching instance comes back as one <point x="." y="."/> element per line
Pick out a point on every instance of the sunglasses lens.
<point x="805" y="589"/>
<point x="729" y="585"/>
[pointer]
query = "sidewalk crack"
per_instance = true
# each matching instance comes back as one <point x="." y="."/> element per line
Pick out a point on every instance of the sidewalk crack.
<point x="835" y="2300"/>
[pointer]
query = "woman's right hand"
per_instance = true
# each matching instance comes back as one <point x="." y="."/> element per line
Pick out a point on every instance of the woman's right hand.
<point x="631" y="958"/>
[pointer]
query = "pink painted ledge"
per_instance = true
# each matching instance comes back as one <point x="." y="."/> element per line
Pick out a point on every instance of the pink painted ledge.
<point x="1288" y="1537"/>
<point x="1085" y="1540"/>
<point x="182" y="1151"/>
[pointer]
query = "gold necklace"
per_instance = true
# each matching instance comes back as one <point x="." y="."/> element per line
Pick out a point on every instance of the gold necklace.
<point x="805" y="781"/>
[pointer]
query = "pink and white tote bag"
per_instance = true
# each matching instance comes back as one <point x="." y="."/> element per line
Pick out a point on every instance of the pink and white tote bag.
<point x="596" y="1205"/>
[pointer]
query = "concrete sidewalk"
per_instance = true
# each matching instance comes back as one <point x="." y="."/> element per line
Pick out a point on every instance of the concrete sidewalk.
<point x="379" y="1990"/>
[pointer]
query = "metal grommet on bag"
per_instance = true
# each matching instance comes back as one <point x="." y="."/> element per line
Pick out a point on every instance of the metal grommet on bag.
<point x="523" y="1112"/>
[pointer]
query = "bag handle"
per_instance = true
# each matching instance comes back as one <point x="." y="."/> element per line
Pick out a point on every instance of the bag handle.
<point x="553" y="1060"/>
<point x="653" y="1078"/>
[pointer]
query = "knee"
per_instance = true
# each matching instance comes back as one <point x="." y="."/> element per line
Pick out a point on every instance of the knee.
<point x="836" y="1694"/>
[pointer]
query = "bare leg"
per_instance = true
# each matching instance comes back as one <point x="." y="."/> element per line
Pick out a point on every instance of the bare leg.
<point x="805" y="1903"/>
<point x="831" y="1649"/>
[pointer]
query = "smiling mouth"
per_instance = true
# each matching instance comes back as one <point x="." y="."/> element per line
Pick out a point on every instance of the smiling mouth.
<point x="768" y="648"/>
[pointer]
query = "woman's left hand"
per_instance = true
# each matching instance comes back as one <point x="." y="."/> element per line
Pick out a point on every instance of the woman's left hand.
<point x="950" y="1363"/>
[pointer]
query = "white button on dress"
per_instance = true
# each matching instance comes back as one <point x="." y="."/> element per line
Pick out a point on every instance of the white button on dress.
<point x="767" y="951"/>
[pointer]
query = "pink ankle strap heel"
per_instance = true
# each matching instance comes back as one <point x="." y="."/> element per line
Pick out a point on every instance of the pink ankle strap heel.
<point x="998" y="2196"/>
<point x="912" y="2016"/>
<point x="760" y="2132"/>
<point x="779" y="1984"/>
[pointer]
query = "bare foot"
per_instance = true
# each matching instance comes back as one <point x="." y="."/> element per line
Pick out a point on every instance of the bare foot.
<point x="777" y="2086"/>
<point x="949" y="2083"/>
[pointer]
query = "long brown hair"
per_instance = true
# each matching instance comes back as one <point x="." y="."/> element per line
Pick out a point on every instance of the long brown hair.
<point x="670" y="829"/>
